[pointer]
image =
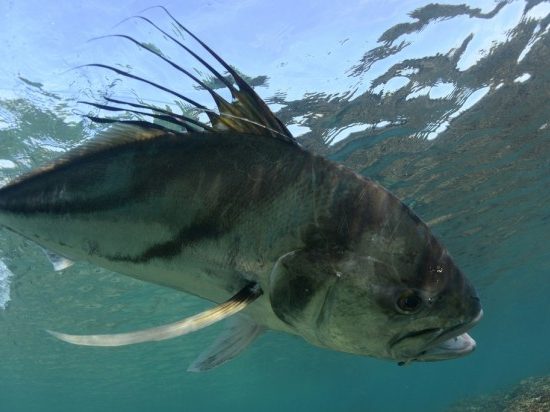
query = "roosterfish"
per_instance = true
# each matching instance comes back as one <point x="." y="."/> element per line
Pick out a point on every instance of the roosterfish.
<point x="235" y="211"/>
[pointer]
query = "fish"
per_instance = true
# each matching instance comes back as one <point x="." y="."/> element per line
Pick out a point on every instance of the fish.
<point x="236" y="211"/>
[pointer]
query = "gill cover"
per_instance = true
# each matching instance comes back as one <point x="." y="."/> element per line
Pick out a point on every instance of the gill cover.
<point x="331" y="305"/>
<point x="299" y="284"/>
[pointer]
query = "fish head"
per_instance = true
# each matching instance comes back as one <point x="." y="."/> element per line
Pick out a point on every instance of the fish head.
<point x="394" y="292"/>
<point x="406" y="312"/>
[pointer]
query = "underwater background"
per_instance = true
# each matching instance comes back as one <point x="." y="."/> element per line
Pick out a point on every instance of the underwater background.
<point x="447" y="105"/>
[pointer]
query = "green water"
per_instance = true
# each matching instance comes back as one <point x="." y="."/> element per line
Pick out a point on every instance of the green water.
<point x="477" y="169"/>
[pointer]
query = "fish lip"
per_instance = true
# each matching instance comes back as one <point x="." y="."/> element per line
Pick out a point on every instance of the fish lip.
<point x="451" y="343"/>
<point x="415" y="334"/>
<point x="446" y="343"/>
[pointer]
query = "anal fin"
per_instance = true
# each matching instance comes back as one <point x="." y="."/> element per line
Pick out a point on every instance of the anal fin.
<point x="238" y="334"/>
<point x="238" y="302"/>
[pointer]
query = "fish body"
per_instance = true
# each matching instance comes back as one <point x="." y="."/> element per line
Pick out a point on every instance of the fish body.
<point x="201" y="213"/>
<point x="335" y="258"/>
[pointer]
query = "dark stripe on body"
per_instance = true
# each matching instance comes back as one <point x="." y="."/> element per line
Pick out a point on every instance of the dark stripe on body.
<point x="248" y="173"/>
<point x="40" y="193"/>
<point x="171" y="248"/>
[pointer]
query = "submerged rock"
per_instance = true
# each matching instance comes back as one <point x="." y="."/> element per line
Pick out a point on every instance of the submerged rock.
<point x="530" y="395"/>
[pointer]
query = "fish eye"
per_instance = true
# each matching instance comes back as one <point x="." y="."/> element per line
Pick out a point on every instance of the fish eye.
<point x="409" y="301"/>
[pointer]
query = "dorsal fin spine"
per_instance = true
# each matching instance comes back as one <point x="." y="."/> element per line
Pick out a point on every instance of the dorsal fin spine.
<point x="247" y="113"/>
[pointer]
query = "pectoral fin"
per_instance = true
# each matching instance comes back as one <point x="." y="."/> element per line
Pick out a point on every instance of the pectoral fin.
<point x="239" y="332"/>
<point x="58" y="262"/>
<point x="297" y="297"/>
<point x="237" y="303"/>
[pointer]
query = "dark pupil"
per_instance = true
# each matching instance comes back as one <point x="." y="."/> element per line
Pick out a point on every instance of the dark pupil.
<point x="409" y="301"/>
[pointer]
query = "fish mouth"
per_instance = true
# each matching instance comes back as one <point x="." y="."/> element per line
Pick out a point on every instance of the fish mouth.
<point x="444" y="344"/>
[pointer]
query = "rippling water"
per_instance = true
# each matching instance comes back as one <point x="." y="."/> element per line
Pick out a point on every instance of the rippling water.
<point x="445" y="104"/>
